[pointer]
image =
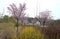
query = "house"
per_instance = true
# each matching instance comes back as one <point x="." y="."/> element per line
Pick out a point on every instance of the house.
<point x="30" y="21"/>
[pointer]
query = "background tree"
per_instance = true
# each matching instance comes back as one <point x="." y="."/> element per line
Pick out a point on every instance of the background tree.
<point x="54" y="23"/>
<point x="17" y="13"/>
<point x="5" y="19"/>
<point x="44" y="17"/>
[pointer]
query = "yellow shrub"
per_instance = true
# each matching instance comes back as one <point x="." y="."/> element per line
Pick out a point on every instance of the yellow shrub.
<point x="30" y="33"/>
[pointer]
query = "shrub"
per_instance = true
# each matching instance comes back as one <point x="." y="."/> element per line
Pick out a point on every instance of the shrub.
<point x="31" y="33"/>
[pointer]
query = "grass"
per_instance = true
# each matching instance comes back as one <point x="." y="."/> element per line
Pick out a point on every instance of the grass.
<point x="25" y="32"/>
<point x="6" y="25"/>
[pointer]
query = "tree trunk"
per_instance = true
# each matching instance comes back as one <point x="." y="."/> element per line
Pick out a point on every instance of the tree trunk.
<point x="17" y="32"/>
<point x="17" y="27"/>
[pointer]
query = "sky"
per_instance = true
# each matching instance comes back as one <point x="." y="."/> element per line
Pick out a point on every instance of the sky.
<point x="33" y="7"/>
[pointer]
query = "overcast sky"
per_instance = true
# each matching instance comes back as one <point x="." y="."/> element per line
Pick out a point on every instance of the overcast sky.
<point x="33" y="7"/>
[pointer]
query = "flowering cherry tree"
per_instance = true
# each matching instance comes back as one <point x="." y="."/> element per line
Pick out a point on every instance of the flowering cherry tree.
<point x="44" y="17"/>
<point x="17" y="12"/>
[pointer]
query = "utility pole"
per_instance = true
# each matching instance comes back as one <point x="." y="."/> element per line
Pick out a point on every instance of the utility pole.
<point x="36" y="7"/>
